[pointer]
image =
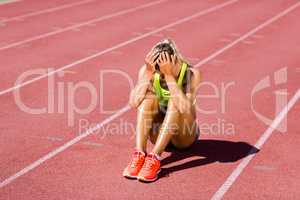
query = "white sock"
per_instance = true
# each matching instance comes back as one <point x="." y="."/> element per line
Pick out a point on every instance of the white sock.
<point x="157" y="156"/>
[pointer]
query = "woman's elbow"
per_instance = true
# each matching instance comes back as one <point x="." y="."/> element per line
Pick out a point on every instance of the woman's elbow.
<point x="132" y="100"/>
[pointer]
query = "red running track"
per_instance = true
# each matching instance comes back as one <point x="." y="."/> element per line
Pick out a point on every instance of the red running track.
<point x="92" y="168"/>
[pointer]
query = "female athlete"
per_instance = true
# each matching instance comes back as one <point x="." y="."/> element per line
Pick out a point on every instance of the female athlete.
<point x="165" y="97"/>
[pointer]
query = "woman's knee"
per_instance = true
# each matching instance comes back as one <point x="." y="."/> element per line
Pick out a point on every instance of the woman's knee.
<point x="182" y="145"/>
<point x="184" y="140"/>
<point x="148" y="106"/>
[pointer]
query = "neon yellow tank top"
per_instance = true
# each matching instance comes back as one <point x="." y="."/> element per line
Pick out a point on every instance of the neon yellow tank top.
<point x="163" y="94"/>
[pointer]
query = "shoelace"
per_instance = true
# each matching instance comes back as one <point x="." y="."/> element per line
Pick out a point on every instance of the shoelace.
<point x="135" y="161"/>
<point x="149" y="163"/>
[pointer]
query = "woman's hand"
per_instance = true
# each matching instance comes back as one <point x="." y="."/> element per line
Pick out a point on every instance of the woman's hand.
<point x="166" y="63"/>
<point x="150" y="61"/>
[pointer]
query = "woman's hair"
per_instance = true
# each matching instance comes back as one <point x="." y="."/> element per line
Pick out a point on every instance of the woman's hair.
<point x="169" y="46"/>
<point x="164" y="46"/>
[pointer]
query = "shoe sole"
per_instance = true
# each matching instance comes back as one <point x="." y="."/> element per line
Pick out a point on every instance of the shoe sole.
<point x="129" y="177"/>
<point x="141" y="179"/>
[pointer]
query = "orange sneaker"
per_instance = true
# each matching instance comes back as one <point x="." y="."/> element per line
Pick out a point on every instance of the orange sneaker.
<point x="134" y="167"/>
<point x="150" y="169"/>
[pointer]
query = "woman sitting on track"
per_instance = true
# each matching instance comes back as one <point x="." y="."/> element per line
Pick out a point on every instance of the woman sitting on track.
<point x="165" y="98"/>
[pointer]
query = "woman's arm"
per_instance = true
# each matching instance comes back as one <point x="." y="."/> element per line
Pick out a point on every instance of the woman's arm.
<point x="183" y="102"/>
<point x="137" y="95"/>
<point x="139" y="91"/>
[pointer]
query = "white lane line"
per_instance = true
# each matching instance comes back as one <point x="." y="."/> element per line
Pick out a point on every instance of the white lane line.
<point x="253" y="31"/>
<point x="8" y="1"/>
<point x="45" y="11"/>
<point x="117" y="114"/>
<point x="67" y="145"/>
<point x="98" y="126"/>
<point x="265" y="136"/>
<point x="91" y="25"/>
<point x="63" y="147"/>
<point x="122" y="44"/>
<point x="76" y="26"/>
<point x="107" y="120"/>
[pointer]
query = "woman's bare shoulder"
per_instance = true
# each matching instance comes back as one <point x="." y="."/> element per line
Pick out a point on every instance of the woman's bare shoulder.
<point x="196" y="76"/>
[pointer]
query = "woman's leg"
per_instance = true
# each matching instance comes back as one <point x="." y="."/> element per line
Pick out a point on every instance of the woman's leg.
<point x="146" y="112"/>
<point x="188" y="131"/>
<point x="168" y="128"/>
<point x="180" y="129"/>
<point x="145" y="115"/>
<point x="151" y="168"/>
<point x="175" y="128"/>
